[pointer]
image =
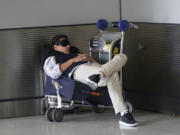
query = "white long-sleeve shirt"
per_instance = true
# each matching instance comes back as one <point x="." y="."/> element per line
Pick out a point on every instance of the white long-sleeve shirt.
<point x="52" y="68"/>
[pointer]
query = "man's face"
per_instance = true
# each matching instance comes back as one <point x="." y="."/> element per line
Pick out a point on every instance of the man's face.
<point x="64" y="46"/>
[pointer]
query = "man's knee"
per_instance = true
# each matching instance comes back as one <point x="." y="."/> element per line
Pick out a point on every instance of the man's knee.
<point x="121" y="59"/>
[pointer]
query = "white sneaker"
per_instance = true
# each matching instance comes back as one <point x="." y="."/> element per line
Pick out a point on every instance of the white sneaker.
<point x="93" y="80"/>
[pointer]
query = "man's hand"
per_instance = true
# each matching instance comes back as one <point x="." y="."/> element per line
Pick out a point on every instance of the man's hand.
<point x="83" y="57"/>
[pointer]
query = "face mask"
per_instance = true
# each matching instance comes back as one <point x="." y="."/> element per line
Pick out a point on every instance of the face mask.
<point x="64" y="42"/>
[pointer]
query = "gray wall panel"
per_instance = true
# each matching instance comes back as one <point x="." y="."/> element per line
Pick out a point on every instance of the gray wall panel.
<point x="19" y="65"/>
<point x="153" y="71"/>
<point x="21" y="108"/>
<point x="34" y="13"/>
<point x="156" y="11"/>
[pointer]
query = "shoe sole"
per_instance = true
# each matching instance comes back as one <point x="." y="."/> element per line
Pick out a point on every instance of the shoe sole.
<point x="92" y="85"/>
<point x="128" y="125"/>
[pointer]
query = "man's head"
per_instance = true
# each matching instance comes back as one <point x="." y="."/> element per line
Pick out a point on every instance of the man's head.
<point x="60" y="43"/>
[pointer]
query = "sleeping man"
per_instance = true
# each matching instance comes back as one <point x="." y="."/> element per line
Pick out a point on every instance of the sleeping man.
<point x="83" y="68"/>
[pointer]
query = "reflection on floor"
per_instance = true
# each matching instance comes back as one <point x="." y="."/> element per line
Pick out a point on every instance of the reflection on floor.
<point x="89" y="123"/>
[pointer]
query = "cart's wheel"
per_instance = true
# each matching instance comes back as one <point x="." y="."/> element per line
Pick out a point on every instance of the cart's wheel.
<point x="49" y="114"/>
<point x="98" y="109"/>
<point x="58" y="115"/>
<point x="129" y="106"/>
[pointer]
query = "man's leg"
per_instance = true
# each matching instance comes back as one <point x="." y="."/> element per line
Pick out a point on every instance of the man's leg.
<point x="115" y="93"/>
<point x="92" y="73"/>
<point x="119" y="105"/>
<point x="84" y="71"/>
<point x="114" y="65"/>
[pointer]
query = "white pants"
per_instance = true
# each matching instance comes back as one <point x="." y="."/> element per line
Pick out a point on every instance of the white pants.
<point x="110" y="70"/>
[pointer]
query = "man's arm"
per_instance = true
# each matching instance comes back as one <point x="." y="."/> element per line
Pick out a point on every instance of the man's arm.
<point x="55" y="70"/>
<point x="66" y="64"/>
<point x="80" y="57"/>
<point x="51" y="68"/>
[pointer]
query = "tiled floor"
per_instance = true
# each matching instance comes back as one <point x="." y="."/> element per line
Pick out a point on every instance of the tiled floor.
<point x="89" y="123"/>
